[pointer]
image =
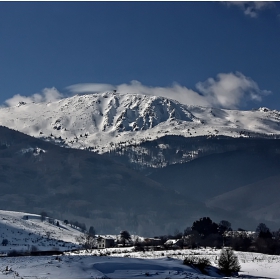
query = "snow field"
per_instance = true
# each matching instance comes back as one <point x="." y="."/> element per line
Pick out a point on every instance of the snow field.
<point x="123" y="262"/>
<point x="126" y="264"/>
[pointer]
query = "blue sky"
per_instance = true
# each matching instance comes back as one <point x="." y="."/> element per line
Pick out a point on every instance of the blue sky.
<point x="209" y="53"/>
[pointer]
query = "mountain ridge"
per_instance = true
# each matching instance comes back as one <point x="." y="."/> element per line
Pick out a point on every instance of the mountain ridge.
<point x="102" y="122"/>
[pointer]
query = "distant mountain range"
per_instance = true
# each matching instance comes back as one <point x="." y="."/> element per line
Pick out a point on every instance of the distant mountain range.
<point x="102" y="122"/>
<point x="188" y="162"/>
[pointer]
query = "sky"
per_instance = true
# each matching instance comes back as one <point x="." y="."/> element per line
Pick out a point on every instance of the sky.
<point x="219" y="54"/>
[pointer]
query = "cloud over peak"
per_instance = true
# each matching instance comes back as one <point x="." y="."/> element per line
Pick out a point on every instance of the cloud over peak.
<point x="47" y="95"/>
<point x="227" y="90"/>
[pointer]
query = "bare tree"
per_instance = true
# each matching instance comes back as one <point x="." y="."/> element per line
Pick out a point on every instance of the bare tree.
<point x="86" y="240"/>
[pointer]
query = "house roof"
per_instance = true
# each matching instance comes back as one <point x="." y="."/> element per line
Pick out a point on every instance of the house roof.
<point x="171" y="241"/>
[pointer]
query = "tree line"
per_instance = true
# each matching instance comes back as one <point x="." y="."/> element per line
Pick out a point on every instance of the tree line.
<point x="203" y="233"/>
<point x="206" y="233"/>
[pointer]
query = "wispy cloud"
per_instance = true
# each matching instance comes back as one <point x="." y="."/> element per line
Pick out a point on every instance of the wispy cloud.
<point x="251" y="8"/>
<point x="176" y="91"/>
<point x="90" y="87"/>
<point x="47" y="95"/>
<point x="227" y="90"/>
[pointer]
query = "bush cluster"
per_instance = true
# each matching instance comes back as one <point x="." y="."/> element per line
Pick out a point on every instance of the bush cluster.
<point x="200" y="263"/>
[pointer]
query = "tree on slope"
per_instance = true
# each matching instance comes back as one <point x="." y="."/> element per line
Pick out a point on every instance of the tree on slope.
<point x="228" y="262"/>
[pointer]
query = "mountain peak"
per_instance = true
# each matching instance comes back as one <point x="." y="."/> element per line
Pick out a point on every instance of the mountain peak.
<point x="102" y="120"/>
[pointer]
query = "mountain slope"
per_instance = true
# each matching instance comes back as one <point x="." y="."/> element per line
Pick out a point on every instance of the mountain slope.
<point x="257" y="200"/>
<point x="235" y="181"/>
<point x="217" y="173"/>
<point x="26" y="232"/>
<point x="74" y="184"/>
<point x="102" y="122"/>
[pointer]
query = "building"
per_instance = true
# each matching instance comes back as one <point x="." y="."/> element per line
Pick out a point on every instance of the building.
<point x="173" y="243"/>
<point x="104" y="242"/>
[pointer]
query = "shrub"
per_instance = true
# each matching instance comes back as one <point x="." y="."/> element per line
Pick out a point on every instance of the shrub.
<point x="200" y="263"/>
<point x="228" y="262"/>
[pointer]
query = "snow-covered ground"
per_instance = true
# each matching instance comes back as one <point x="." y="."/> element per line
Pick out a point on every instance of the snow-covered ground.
<point x="95" y="267"/>
<point x="128" y="264"/>
<point x="25" y="231"/>
<point x="254" y="265"/>
<point x="125" y="262"/>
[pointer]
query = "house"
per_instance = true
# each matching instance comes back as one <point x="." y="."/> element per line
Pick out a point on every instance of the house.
<point x="173" y="243"/>
<point x="152" y="241"/>
<point x="104" y="242"/>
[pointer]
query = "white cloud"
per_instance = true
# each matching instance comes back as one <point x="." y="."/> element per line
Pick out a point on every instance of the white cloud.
<point x="47" y="95"/>
<point x="251" y="8"/>
<point x="228" y="90"/>
<point x="176" y="91"/>
<point x="231" y="90"/>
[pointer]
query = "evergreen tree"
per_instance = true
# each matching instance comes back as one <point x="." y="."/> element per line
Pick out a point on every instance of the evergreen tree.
<point x="125" y="235"/>
<point x="263" y="231"/>
<point x="205" y="226"/>
<point x="228" y="262"/>
<point x="224" y="226"/>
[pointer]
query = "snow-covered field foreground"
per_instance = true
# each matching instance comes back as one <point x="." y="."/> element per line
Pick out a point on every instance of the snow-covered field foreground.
<point x="94" y="267"/>
<point x="124" y="263"/>
<point x="23" y="234"/>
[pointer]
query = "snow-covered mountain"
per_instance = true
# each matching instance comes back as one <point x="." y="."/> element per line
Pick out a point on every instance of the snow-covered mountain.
<point x="145" y="130"/>
<point x="102" y="122"/>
